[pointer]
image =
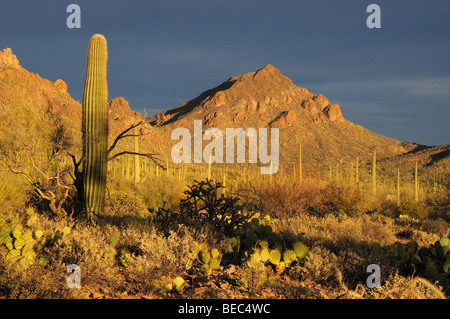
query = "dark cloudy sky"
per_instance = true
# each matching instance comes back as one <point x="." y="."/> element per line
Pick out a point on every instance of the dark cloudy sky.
<point x="395" y="80"/>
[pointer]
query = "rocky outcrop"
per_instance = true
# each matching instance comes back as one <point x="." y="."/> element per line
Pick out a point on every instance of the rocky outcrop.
<point x="8" y="58"/>
<point x="212" y="119"/>
<point x="61" y="86"/>
<point x="119" y="110"/>
<point x="322" y="110"/>
<point x="121" y="116"/>
<point x="333" y="113"/>
<point x="285" y="119"/>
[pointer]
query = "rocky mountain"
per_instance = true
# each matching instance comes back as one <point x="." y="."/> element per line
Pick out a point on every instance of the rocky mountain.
<point x="267" y="98"/>
<point x="262" y="99"/>
<point x="27" y="99"/>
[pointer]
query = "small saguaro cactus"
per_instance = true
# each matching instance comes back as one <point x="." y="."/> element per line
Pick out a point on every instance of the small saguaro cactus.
<point x="137" y="165"/>
<point x="95" y="126"/>
<point x="300" y="166"/>
<point x="374" y="172"/>
<point x="416" y="185"/>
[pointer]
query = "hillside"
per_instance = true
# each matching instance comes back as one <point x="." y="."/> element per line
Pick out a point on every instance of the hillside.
<point x="31" y="105"/>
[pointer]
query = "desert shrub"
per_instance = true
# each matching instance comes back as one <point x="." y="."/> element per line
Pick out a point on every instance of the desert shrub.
<point x="35" y="283"/>
<point x="278" y="198"/>
<point x="253" y="278"/>
<point x="320" y="266"/>
<point x="161" y="190"/>
<point x="168" y="255"/>
<point x="440" y="203"/>
<point x="413" y="209"/>
<point x="87" y="247"/>
<point x="130" y="201"/>
<point x="285" y="199"/>
<point x="399" y="287"/>
<point x="440" y="227"/>
<point x="388" y="207"/>
<point x="346" y="198"/>
<point x="334" y="231"/>
<point x="12" y="191"/>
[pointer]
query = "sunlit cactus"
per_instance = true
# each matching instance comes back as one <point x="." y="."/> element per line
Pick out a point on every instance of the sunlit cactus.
<point x="95" y="126"/>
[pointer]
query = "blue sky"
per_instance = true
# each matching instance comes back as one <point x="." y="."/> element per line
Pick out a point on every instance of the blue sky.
<point x="394" y="81"/>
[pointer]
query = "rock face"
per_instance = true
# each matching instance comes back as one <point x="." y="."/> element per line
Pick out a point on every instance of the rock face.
<point x="285" y="119"/>
<point x="322" y="110"/>
<point x="8" y="58"/>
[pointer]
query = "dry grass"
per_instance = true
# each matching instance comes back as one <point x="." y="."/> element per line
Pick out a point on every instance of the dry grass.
<point x="126" y="256"/>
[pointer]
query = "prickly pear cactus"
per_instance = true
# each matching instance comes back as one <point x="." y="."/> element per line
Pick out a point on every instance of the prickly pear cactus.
<point x="209" y="260"/>
<point x="432" y="262"/>
<point x="274" y="257"/>
<point x="203" y="257"/>
<point x="21" y="244"/>
<point x="288" y="257"/>
<point x="300" y="250"/>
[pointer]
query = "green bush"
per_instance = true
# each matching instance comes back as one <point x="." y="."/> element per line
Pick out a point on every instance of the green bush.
<point x="413" y="209"/>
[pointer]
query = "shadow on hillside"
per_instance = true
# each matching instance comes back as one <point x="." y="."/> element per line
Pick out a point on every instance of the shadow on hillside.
<point x="175" y="113"/>
<point x="438" y="157"/>
<point x="123" y="220"/>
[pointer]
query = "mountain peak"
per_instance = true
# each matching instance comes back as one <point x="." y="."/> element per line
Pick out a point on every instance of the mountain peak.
<point x="267" y="68"/>
<point x="8" y="58"/>
<point x="269" y="72"/>
<point x="262" y="98"/>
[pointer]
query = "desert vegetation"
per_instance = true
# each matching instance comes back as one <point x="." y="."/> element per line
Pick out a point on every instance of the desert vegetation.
<point x="176" y="234"/>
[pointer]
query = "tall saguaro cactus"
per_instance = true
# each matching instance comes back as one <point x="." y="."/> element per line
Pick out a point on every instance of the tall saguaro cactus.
<point x="95" y="126"/>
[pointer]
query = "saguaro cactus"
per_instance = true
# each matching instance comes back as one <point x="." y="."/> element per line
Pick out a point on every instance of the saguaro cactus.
<point x="398" y="186"/>
<point x="300" y="166"/>
<point x="374" y="172"/>
<point x="137" y="164"/>
<point x="357" y="170"/>
<point x="95" y="126"/>
<point x="416" y="185"/>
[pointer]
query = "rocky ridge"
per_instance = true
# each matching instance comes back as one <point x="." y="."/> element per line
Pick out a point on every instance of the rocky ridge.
<point x="23" y="93"/>
<point x="267" y="98"/>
